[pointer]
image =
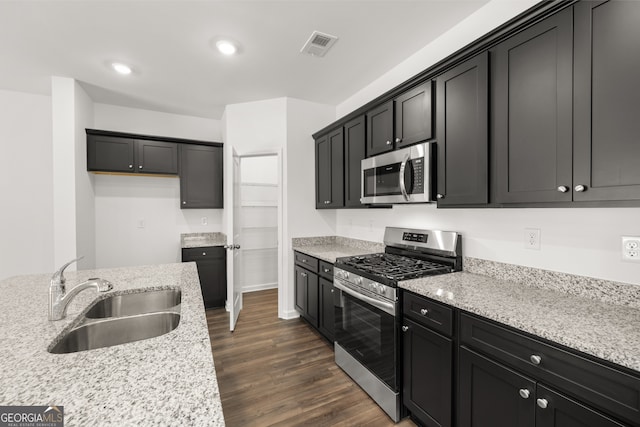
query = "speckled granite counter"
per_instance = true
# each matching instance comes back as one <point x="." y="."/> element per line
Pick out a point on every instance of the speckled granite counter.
<point x="596" y="317"/>
<point x="332" y="247"/>
<point x="199" y="240"/>
<point x="167" y="380"/>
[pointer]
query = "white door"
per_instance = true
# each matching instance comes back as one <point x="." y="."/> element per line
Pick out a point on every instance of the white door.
<point x="234" y="256"/>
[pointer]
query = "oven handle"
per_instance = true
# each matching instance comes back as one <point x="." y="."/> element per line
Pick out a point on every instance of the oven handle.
<point x="387" y="307"/>
<point x="403" y="171"/>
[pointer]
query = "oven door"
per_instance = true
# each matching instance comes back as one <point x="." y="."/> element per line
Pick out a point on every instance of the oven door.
<point x="368" y="334"/>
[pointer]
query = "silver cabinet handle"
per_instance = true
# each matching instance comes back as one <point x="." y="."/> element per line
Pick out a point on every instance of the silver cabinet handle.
<point x="580" y="188"/>
<point x="535" y="359"/>
<point x="130" y="166"/>
<point x="424" y="311"/>
<point x="333" y="290"/>
<point x="405" y="328"/>
<point x="524" y="393"/>
<point x="388" y="142"/>
<point x="542" y="403"/>
<point x="140" y="167"/>
<point x="326" y="270"/>
<point x="398" y="139"/>
<point x="304" y="260"/>
<point x="204" y="254"/>
<point x="440" y="196"/>
<point x="563" y="188"/>
<point x="303" y="274"/>
<point x="184" y="203"/>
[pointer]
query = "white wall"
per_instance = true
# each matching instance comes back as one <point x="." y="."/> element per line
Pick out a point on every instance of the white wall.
<point x="122" y="202"/>
<point x="26" y="187"/>
<point x="485" y="19"/>
<point x="581" y="241"/>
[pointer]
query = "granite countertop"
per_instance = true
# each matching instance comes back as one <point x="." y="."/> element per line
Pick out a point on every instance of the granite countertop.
<point x="332" y="247"/>
<point x="166" y="380"/>
<point x="199" y="240"/>
<point x="594" y="324"/>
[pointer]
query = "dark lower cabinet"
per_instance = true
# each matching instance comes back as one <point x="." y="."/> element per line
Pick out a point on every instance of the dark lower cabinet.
<point x="327" y="314"/>
<point x="306" y="294"/>
<point x="463" y="136"/>
<point x="212" y="271"/>
<point x="490" y="394"/>
<point x="427" y="374"/>
<point x="201" y="176"/>
<point x="531" y="81"/>
<point x="606" y="101"/>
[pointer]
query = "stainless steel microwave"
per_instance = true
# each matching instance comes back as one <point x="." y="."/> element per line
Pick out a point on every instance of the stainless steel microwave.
<point x="400" y="176"/>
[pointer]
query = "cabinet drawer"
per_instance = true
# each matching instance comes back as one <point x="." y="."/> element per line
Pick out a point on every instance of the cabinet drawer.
<point x="428" y="313"/>
<point x="592" y="382"/>
<point x="307" y="261"/>
<point x="205" y="252"/>
<point x="326" y="270"/>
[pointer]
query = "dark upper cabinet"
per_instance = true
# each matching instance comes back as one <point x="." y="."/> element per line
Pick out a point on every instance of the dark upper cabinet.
<point x="531" y="81"/>
<point x="491" y="394"/>
<point x="427" y="367"/>
<point x="118" y="154"/>
<point x="413" y="116"/>
<point x="110" y="154"/>
<point x="330" y="170"/>
<point x="327" y="314"/>
<point x="462" y="133"/>
<point x="157" y="157"/>
<point x="354" y="152"/>
<point x="201" y="176"/>
<point x="212" y="272"/>
<point x="380" y="129"/>
<point x="607" y="101"/>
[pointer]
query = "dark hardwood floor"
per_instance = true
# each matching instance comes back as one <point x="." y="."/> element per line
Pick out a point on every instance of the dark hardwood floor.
<point x="281" y="372"/>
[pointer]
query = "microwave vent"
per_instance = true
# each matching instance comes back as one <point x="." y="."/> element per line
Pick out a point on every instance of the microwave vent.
<point x="318" y="44"/>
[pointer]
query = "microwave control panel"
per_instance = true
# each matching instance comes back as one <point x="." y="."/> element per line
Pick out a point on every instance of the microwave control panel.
<point x="418" y="175"/>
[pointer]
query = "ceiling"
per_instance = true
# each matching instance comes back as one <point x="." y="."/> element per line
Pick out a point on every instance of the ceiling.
<point x="168" y="44"/>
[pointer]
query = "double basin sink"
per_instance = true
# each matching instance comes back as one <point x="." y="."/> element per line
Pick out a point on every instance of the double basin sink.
<point x="121" y="319"/>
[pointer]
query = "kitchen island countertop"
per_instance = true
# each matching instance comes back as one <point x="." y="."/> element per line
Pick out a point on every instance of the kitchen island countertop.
<point x="166" y="380"/>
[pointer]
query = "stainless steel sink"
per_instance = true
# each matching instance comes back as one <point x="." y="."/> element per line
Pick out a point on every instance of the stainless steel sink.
<point x="116" y="330"/>
<point x="135" y="303"/>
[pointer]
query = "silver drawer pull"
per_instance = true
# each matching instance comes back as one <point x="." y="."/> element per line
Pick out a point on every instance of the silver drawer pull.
<point x="542" y="403"/>
<point x="424" y="311"/>
<point x="405" y="328"/>
<point x="524" y="393"/>
<point x="304" y="260"/>
<point x="303" y="274"/>
<point x="535" y="359"/>
<point x="326" y="270"/>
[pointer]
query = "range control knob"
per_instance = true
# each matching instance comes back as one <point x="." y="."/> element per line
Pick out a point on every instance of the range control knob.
<point x="358" y="280"/>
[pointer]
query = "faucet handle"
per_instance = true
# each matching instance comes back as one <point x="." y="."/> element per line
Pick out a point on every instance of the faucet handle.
<point x="58" y="276"/>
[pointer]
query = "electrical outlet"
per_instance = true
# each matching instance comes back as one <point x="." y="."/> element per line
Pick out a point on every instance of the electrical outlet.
<point x="631" y="248"/>
<point x="532" y="238"/>
<point x="204" y="220"/>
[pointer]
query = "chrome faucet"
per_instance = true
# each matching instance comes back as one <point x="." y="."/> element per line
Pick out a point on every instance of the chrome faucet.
<point x="59" y="299"/>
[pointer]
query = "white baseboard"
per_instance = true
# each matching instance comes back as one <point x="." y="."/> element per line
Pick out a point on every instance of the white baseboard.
<point x="259" y="287"/>
<point x="291" y="314"/>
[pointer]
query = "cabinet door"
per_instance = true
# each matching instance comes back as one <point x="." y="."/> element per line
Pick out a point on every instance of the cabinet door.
<point x="413" y="114"/>
<point x="200" y="176"/>
<point x="110" y="154"/>
<point x="531" y="79"/>
<point x="301" y="283"/>
<point x="427" y="373"/>
<point x="462" y="133"/>
<point x="323" y="172"/>
<point x="327" y="319"/>
<point x="156" y="157"/>
<point x="354" y="152"/>
<point x="380" y="129"/>
<point x="330" y="170"/>
<point x="312" y="299"/>
<point x="489" y="394"/>
<point x="212" y="272"/>
<point x="556" y="410"/>
<point x="607" y="100"/>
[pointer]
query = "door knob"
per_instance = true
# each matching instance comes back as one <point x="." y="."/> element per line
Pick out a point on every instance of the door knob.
<point x="236" y="246"/>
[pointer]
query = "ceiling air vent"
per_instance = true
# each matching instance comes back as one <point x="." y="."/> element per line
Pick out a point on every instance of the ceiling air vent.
<point x="318" y="44"/>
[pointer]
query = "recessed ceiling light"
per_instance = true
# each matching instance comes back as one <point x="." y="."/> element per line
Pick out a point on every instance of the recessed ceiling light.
<point x="226" y="47"/>
<point x="121" y="68"/>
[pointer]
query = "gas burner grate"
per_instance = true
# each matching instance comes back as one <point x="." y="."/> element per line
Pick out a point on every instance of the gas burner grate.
<point x="394" y="267"/>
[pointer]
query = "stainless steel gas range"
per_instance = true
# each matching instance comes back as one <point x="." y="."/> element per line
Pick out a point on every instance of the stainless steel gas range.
<point x="367" y="343"/>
